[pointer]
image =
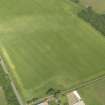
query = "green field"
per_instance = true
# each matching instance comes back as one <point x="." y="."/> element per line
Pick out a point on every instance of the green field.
<point x="47" y="46"/>
<point x="2" y="97"/>
<point x="94" y="94"/>
<point x="98" y="5"/>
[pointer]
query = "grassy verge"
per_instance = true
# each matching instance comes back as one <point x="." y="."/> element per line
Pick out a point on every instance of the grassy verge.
<point x="2" y="97"/>
<point x="5" y="83"/>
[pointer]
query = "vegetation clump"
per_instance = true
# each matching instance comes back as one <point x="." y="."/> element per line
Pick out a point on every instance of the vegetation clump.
<point x="76" y="1"/>
<point x="95" y="19"/>
<point x="5" y="83"/>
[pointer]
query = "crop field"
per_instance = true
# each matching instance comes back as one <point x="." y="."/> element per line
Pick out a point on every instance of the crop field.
<point x="98" y="5"/>
<point x="95" y="93"/>
<point x="2" y="97"/>
<point x="47" y="46"/>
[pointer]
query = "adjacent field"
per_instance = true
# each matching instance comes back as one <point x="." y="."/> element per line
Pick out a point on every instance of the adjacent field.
<point x="2" y="97"/>
<point x="98" y="5"/>
<point x="94" y="94"/>
<point x="48" y="46"/>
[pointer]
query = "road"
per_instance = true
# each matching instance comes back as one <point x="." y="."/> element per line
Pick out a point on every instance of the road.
<point x="12" y="83"/>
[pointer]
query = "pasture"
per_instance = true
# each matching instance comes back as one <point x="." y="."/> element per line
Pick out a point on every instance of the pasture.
<point x="98" y="5"/>
<point x="47" y="46"/>
<point x="94" y="94"/>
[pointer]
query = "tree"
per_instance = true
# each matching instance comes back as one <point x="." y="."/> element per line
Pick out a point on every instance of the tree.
<point x="51" y="91"/>
<point x="96" y="20"/>
<point x="76" y="1"/>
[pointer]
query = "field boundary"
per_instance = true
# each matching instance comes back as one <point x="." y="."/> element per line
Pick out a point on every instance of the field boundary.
<point x="11" y="82"/>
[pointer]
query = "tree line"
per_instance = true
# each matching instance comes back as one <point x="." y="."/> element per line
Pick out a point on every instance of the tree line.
<point x="76" y="1"/>
<point x="5" y="83"/>
<point x="95" y="19"/>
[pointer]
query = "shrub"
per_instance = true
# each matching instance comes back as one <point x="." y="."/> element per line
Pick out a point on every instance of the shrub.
<point x="95" y="19"/>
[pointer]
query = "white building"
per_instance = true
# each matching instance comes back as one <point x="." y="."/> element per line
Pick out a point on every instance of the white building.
<point x="44" y="103"/>
<point x="74" y="98"/>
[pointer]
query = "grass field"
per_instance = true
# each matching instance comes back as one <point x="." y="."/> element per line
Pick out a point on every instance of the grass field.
<point x="98" y="5"/>
<point x="94" y="94"/>
<point x="48" y="46"/>
<point x="2" y="97"/>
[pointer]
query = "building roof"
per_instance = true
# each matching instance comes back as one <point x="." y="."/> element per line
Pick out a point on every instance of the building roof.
<point x="44" y="103"/>
<point x="80" y="103"/>
<point x="74" y="98"/>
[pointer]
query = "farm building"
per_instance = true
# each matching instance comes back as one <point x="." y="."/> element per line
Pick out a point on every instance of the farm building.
<point x="44" y="103"/>
<point x="74" y="98"/>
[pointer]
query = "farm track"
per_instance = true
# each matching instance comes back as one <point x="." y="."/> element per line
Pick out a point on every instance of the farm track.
<point x="12" y="83"/>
